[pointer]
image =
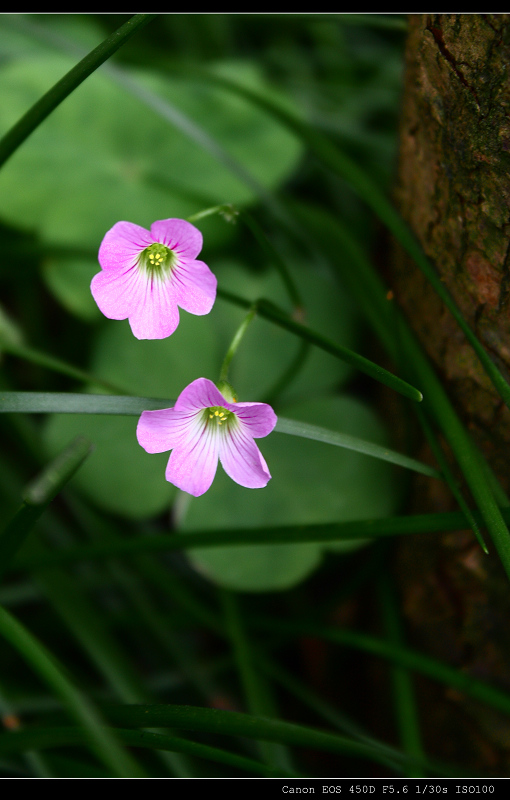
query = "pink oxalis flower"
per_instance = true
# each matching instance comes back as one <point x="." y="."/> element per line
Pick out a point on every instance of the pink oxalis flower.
<point x="202" y="427"/>
<point x="145" y="275"/>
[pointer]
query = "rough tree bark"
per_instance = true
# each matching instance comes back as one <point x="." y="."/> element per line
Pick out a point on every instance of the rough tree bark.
<point x="454" y="190"/>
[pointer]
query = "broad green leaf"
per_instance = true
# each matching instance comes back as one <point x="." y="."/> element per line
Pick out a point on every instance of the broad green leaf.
<point x="267" y="350"/>
<point x="158" y="367"/>
<point x="103" y="155"/>
<point x="311" y="482"/>
<point x="69" y="280"/>
<point x="119" y="476"/>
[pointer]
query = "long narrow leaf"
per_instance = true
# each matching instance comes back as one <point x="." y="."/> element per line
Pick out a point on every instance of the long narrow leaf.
<point x="404" y="656"/>
<point x="285" y="534"/>
<point x="43" y="108"/>
<point x="369" y="191"/>
<point x="319" y="434"/>
<point x="68" y="403"/>
<point x="38" y="495"/>
<point x="362" y="281"/>
<point x="269" y="311"/>
<point x="98" y="736"/>
<point x="44" y="737"/>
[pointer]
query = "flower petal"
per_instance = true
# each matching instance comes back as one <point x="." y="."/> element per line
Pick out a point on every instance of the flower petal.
<point x="195" y="286"/>
<point x="180" y="236"/>
<point x="193" y="463"/>
<point x="241" y="458"/>
<point x="154" y="314"/>
<point x="117" y="293"/>
<point x="202" y="393"/>
<point x="161" y="430"/>
<point x="122" y="246"/>
<point x="259" y="418"/>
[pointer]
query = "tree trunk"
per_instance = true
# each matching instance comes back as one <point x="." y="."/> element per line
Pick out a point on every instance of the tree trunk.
<point x="454" y="191"/>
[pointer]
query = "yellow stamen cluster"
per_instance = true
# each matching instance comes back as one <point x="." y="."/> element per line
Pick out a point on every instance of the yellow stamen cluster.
<point x="157" y="259"/>
<point x="219" y="414"/>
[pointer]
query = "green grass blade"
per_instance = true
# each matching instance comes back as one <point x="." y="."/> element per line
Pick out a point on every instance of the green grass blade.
<point x="406" y="711"/>
<point x="285" y="534"/>
<point x="38" y="495"/>
<point x="319" y="434"/>
<point x="450" y="479"/>
<point x="256" y="689"/>
<point x="63" y="88"/>
<point x="69" y="403"/>
<point x="70" y="737"/>
<point x="371" y="194"/>
<point x="55" y="364"/>
<point x="269" y="311"/>
<point x="100" y="738"/>
<point x="236" y="724"/>
<point x="404" y="656"/>
<point x="363" y="281"/>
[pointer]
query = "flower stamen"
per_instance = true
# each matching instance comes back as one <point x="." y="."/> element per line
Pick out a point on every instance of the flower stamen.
<point x="157" y="259"/>
<point x="221" y="414"/>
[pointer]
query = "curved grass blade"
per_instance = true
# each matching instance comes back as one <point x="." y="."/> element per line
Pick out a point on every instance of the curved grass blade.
<point x="70" y="737"/>
<point x="406" y="711"/>
<point x="323" y="532"/>
<point x="48" y="102"/>
<point x="271" y="312"/>
<point x="100" y="738"/>
<point x="404" y="656"/>
<point x="368" y="289"/>
<point x="371" y="194"/>
<point x="237" y="724"/>
<point x="71" y="403"/>
<point x="319" y="434"/>
<point x="54" y="364"/>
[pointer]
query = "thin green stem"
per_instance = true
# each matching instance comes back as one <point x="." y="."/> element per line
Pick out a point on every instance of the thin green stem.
<point x="255" y="687"/>
<point x="403" y="692"/>
<point x="45" y="737"/>
<point x="227" y="211"/>
<point x="339" y="163"/>
<point x="235" y="724"/>
<point x="236" y="341"/>
<point x="274" y="256"/>
<point x="271" y="312"/>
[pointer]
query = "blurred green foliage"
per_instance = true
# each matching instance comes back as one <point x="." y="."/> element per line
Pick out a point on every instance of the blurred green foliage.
<point x="145" y="138"/>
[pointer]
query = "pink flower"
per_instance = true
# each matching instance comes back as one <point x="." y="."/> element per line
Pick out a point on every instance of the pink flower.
<point x="202" y="427"/>
<point x="146" y="275"/>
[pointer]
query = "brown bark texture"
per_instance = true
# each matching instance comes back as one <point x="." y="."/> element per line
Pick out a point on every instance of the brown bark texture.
<point x="454" y="191"/>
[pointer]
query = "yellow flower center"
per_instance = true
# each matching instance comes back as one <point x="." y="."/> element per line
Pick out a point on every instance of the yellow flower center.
<point x="219" y="414"/>
<point x="157" y="260"/>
